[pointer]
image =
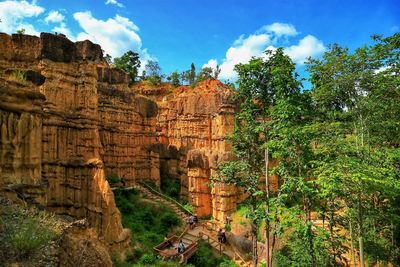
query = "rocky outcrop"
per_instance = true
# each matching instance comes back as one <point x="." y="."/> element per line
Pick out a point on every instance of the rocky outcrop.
<point x="68" y="121"/>
<point x="51" y="127"/>
<point x="192" y="126"/>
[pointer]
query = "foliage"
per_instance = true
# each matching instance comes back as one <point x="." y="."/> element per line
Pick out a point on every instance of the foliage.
<point x="21" y="31"/>
<point x="171" y="187"/>
<point x="153" y="72"/>
<point x="129" y="62"/>
<point x="189" y="207"/>
<point x="175" y="79"/>
<point x="205" y="73"/>
<point x="25" y="231"/>
<point x="18" y="75"/>
<point x="149" y="221"/>
<point x="112" y="178"/>
<point x="205" y="256"/>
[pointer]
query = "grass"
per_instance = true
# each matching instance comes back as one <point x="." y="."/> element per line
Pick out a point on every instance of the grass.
<point x="24" y="231"/>
<point x="207" y="257"/>
<point x="150" y="222"/>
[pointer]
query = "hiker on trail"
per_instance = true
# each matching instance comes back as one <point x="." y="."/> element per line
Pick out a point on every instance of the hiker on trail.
<point x="219" y="235"/>
<point x="181" y="246"/>
<point x="223" y="236"/>
<point x="123" y="180"/>
<point x="191" y="221"/>
<point x="195" y="219"/>
<point x="169" y="243"/>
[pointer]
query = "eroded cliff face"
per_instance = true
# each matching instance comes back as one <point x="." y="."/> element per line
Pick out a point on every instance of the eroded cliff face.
<point x="192" y="127"/>
<point x="68" y="120"/>
<point x="51" y="150"/>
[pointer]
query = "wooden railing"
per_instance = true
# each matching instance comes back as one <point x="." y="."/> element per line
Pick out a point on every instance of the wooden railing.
<point x="209" y="237"/>
<point x="173" y="239"/>
<point x="154" y="191"/>
<point x="237" y="255"/>
<point x="189" y="251"/>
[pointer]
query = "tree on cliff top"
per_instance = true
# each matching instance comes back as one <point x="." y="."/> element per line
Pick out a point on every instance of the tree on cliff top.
<point x="129" y="62"/>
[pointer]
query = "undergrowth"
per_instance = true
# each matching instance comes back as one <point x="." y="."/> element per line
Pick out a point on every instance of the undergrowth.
<point x="149" y="221"/>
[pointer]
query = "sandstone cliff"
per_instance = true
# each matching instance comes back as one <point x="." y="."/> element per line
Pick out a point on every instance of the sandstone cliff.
<point x="67" y="121"/>
<point x="192" y="127"/>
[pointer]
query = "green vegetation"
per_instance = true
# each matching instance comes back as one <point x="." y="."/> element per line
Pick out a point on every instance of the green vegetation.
<point x="128" y="62"/>
<point x="335" y="149"/>
<point x="23" y="232"/>
<point x="206" y="256"/>
<point x="149" y="221"/>
<point x="18" y="75"/>
<point x="171" y="187"/>
<point x="21" y="31"/>
<point x="112" y="178"/>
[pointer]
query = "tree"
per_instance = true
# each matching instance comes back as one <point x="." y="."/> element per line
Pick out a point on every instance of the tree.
<point x="153" y="72"/>
<point x="174" y="78"/>
<point x="108" y="59"/>
<point x="21" y="31"/>
<point x="355" y="95"/>
<point x="192" y="74"/>
<point x="205" y="73"/>
<point x="129" y="62"/>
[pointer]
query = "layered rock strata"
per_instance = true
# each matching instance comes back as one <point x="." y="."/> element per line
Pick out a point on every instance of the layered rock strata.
<point x="192" y="127"/>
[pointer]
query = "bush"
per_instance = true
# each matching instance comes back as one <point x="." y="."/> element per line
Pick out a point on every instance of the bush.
<point x="148" y="259"/>
<point x="149" y="221"/>
<point x="25" y="231"/>
<point x="113" y="178"/>
<point x="171" y="187"/>
<point x="205" y="256"/>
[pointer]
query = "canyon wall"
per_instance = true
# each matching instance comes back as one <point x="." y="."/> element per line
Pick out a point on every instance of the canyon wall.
<point x="192" y="126"/>
<point x="68" y="120"/>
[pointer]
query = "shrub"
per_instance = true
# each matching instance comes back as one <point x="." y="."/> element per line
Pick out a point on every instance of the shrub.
<point x="113" y="178"/>
<point x="148" y="259"/>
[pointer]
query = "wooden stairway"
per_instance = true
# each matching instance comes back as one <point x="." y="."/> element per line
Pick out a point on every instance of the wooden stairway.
<point x="189" y="236"/>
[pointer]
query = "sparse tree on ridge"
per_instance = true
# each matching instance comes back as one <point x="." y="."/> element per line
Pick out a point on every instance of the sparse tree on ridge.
<point x="129" y="62"/>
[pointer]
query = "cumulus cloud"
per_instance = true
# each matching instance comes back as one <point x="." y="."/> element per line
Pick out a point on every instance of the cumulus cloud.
<point x="307" y="47"/>
<point x="267" y="37"/>
<point x="280" y="29"/>
<point x="115" y="35"/>
<point x="62" y="28"/>
<point x="13" y="13"/>
<point x="114" y="2"/>
<point x="55" y="17"/>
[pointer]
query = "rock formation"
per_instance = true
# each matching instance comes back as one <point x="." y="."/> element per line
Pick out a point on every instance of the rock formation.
<point x="192" y="127"/>
<point x="68" y="120"/>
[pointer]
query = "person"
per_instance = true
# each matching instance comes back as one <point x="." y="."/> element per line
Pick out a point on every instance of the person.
<point x="169" y="243"/>
<point x="181" y="246"/>
<point x="195" y="218"/>
<point x="219" y="235"/>
<point x="191" y="221"/>
<point x="223" y="236"/>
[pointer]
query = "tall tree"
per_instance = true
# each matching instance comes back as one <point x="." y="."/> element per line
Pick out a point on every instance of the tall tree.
<point x="129" y="62"/>
<point x="192" y="74"/>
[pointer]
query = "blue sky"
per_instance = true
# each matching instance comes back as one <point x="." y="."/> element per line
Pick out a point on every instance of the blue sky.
<point x="223" y="32"/>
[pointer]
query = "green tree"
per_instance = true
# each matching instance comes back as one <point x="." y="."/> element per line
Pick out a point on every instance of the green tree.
<point x="205" y="73"/>
<point x="174" y="78"/>
<point x="192" y="74"/>
<point x="153" y="72"/>
<point x="21" y="31"/>
<point x="129" y="62"/>
<point x="355" y="95"/>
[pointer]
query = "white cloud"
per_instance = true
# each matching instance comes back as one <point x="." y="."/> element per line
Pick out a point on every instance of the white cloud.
<point x="280" y="29"/>
<point x="13" y="13"/>
<point x="309" y="46"/>
<point x="268" y="37"/>
<point x="55" y="17"/>
<point x="114" y="2"/>
<point x="115" y="35"/>
<point x="212" y="63"/>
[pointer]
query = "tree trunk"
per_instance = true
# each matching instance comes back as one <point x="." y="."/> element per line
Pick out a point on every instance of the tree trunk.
<point x="353" y="255"/>
<point x="361" y="233"/>
<point x="267" y="224"/>
<point x="255" y="250"/>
